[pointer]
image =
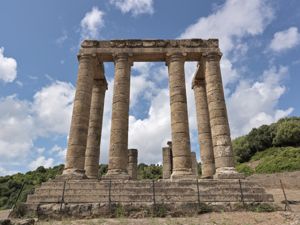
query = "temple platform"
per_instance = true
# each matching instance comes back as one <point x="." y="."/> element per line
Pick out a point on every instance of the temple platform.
<point x="91" y="198"/>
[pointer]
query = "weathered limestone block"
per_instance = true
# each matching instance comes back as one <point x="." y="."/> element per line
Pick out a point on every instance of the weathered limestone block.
<point x="132" y="163"/>
<point x="204" y="129"/>
<point x="92" y="154"/>
<point x="167" y="161"/>
<point x="194" y="163"/>
<point x="75" y="158"/>
<point x="224" y="161"/>
<point x="118" y="150"/>
<point x="181" y="149"/>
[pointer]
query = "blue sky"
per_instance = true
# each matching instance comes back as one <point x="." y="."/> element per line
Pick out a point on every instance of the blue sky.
<point x="39" y="40"/>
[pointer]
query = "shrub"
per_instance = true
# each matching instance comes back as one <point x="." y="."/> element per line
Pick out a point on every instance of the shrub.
<point x="278" y="160"/>
<point x="287" y="133"/>
<point x="245" y="169"/>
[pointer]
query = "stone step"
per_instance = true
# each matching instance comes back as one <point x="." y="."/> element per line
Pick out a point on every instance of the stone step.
<point x="105" y="185"/>
<point x="114" y="191"/>
<point x="117" y="190"/>
<point x="149" y="198"/>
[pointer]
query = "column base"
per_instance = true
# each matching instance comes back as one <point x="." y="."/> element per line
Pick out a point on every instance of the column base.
<point x="183" y="175"/>
<point x="72" y="174"/>
<point x="116" y="175"/>
<point x="228" y="173"/>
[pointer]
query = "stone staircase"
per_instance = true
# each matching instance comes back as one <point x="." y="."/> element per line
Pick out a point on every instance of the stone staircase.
<point x="147" y="192"/>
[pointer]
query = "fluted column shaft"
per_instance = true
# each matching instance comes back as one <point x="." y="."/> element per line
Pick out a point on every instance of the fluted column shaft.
<point x="118" y="157"/>
<point x="75" y="158"/>
<point x="204" y="130"/>
<point x="92" y="154"/>
<point x="224" y="160"/>
<point x="181" y="149"/>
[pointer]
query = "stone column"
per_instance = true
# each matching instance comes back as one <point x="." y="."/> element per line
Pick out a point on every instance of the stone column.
<point x="224" y="160"/>
<point x="167" y="162"/>
<point x="194" y="163"/>
<point x="118" y="150"/>
<point x="181" y="149"/>
<point x="132" y="163"/>
<point x="92" y="154"/>
<point x="204" y="131"/>
<point x="75" y="158"/>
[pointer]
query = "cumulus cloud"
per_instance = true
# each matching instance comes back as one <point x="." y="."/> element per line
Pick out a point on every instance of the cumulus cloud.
<point x="17" y="128"/>
<point x="59" y="151"/>
<point x="92" y="23"/>
<point x="285" y="39"/>
<point x="135" y="7"/>
<point x="231" y="22"/>
<point x="255" y="103"/>
<point x="4" y="172"/>
<point x="47" y="101"/>
<point x="8" y="68"/>
<point x="23" y="122"/>
<point x="41" y="161"/>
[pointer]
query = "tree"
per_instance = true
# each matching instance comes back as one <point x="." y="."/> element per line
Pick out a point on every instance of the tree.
<point x="287" y="133"/>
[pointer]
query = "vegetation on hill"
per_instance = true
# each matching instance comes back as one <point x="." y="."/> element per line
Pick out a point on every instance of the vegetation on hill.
<point x="269" y="148"/>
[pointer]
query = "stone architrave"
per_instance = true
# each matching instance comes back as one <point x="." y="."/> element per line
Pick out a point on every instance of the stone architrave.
<point x="204" y="130"/>
<point x="181" y="149"/>
<point x="75" y="158"/>
<point x="118" y="150"/>
<point x="224" y="160"/>
<point x="167" y="162"/>
<point x="92" y="154"/>
<point x="132" y="163"/>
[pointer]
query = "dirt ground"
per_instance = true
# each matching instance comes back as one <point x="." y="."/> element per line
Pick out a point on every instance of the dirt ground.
<point x="232" y="218"/>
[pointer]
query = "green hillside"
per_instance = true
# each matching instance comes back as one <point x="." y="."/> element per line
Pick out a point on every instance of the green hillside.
<point x="269" y="148"/>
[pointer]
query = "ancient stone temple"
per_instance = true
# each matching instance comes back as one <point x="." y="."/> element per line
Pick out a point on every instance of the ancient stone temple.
<point x="85" y="133"/>
<point x="80" y="183"/>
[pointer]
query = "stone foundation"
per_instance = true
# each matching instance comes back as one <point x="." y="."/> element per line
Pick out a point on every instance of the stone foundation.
<point x="90" y="198"/>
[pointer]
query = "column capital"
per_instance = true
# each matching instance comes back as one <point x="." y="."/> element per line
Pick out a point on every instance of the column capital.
<point x="198" y="82"/>
<point x="118" y="57"/>
<point x="175" y="56"/>
<point x="83" y="56"/>
<point x="212" y="55"/>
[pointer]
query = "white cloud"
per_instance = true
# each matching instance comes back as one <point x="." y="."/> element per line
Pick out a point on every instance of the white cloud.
<point x="255" y="103"/>
<point x="22" y="122"/>
<point x="41" y="161"/>
<point x="53" y="106"/>
<point x="92" y="23"/>
<point x="285" y="39"/>
<point x="4" y="172"/>
<point x="234" y="20"/>
<point x="17" y="128"/>
<point x="8" y="67"/>
<point x="136" y="7"/>
<point x="64" y="36"/>
<point x="59" y="151"/>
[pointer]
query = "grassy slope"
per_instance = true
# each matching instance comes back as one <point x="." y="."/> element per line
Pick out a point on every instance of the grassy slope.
<point x="272" y="160"/>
